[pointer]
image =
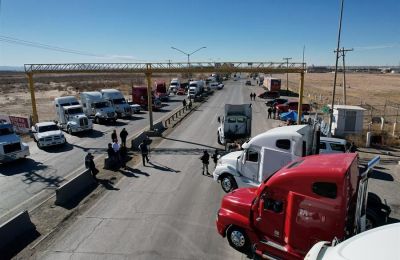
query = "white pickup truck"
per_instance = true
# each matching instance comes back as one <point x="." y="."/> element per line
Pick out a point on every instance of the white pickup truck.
<point x="11" y="146"/>
<point x="47" y="134"/>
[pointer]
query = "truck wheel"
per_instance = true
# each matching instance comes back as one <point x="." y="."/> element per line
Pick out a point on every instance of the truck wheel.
<point x="97" y="120"/>
<point x="218" y="140"/>
<point x="228" y="183"/>
<point x="69" y="130"/>
<point x="39" y="145"/>
<point x="238" y="239"/>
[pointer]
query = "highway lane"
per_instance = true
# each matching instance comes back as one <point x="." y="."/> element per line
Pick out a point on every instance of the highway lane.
<point x="26" y="182"/>
<point x="167" y="209"/>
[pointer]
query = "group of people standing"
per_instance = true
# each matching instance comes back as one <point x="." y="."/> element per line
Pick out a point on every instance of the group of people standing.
<point x="205" y="159"/>
<point x="117" y="152"/>
<point x="272" y="112"/>
<point x="253" y="96"/>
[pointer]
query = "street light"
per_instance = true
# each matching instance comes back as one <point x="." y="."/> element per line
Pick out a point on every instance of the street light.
<point x="188" y="54"/>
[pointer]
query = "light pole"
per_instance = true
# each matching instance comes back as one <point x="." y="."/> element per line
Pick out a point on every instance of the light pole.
<point x="188" y="55"/>
<point x="287" y="74"/>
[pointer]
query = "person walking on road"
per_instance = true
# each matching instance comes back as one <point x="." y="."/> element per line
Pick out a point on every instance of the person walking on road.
<point x="269" y="112"/>
<point x="205" y="158"/>
<point x="116" y="147"/>
<point x="89" y="164"/>
<point x="215" y="158"/>
<point x="254" y="96"/>
<point x="184" y="103"/>
<point x="144" y="150"/>
<point x="274" y="112"/>
<point x="251" y="96"/>
<point x="114" y="135"/>
<point x="123" y="135"/>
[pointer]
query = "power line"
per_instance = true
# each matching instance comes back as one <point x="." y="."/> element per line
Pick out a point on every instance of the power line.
<point x="45" y="46"/>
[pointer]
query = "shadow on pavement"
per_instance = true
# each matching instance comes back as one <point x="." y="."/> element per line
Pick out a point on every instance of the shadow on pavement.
<point x="138" y="171"/>
<point x="92" y="134"/>
<point x="379" y="175"/>
<point x="21" y="166"/>
<point x="134" y="118"/>
<point x="59" y="148"/>
<point x="107" y="183"/>
<point x="19" y="244"/>
<point x="128" y="173"/>
<point x="161" y="167"/>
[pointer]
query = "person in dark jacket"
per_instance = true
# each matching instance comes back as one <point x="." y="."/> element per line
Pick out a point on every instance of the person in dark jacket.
<point x="89" y="163"/>
<point x="145" y="151"/>
<point x="123" y="135"/>
<point x="205" y="158"/>
<point x="114" y="136"/>
<point x="184" y="103"/>
<point x="112" y="156"/>
<point x="269" y="112"/>
<point x="215" y="158"/>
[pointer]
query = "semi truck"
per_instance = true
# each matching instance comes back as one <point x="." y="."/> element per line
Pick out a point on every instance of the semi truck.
<point x="235" y="125"/>
<point x="160" y="90"/>
<point x="70" y="115"/>
<point x="11" y="145"/>
<point x="264" y="154"/>
<point x="122" y="108"/>
<point x="174" y="85"/>
<point x="97" y="108"/>
<point x="139" y="96"/>
<point x="195" y="88"/>
<point x="315" y="198"/>
<point x="272" y="84"/>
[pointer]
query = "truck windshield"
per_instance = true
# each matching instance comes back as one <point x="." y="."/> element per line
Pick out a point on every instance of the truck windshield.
<point x="73" y="111"/>
<point x="101" y="105"/>
<point x="70" y="104"/>
<point x="174" y="84"/>
<point x="6" y="131"/>
<point x="47" y="128"/>
<point x="119" y="101"/>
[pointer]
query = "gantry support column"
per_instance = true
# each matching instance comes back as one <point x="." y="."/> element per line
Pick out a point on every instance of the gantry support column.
<point x="300" y="110"/>
<point x="149" y="96"/>
<point x="35" y="117"/>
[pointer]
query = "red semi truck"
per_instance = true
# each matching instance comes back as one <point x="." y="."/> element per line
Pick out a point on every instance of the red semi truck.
<point x="160" y="90"/>
<point x="139" y="96"/>
<point x="315" y="198"/>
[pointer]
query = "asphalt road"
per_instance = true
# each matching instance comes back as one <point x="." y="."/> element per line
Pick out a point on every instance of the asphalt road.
<point x="25" y="183"/>
<point x="167" y="209"/>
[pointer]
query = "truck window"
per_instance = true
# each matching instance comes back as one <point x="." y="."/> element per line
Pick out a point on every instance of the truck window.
<point x="283" y="144"/>
<point x="325" y="189"/>
<point x="273" y="205"/>
<point x="231" y="120"/>
<point x="322" y="145"/>
<point x="338" y="147"/>
<point x="251" y="156"/>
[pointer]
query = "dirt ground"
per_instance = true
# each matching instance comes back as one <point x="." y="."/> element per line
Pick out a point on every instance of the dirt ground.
<point x="15" y="98"/>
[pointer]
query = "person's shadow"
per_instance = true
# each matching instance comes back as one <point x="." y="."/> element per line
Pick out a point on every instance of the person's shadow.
<point x="163" y="168"/>
<point x="107" y="183"/>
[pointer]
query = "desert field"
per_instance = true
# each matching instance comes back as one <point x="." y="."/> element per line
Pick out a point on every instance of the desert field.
<point x="362" y="88"/>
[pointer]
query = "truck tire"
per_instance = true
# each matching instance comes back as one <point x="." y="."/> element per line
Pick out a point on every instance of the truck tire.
<point x="39" y="145"/>
<point x="69" y="130"/>
<point x="97" y="120"/>
<point x="228" y="183"/>
<point x="238" y="239"/>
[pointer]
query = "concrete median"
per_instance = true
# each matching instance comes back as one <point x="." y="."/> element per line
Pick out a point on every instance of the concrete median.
<point x="15" y="227"/>
<point x="74" y="187"/>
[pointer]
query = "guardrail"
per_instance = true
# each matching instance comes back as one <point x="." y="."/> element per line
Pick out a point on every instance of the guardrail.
<point x="176" y="115"/>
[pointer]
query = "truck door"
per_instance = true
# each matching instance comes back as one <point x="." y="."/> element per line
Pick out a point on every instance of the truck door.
<point x="271" y="161"/>
<point x="250" y="164"/>
<point x="271" y="217"/>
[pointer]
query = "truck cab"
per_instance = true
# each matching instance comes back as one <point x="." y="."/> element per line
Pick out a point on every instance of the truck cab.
<point x="263" y="155"/>
<point x="174" y="85"/>
<point x="122" y="108"/>
<point x="315" y="198"/>
<point x="97" y="108"/>
<point x="70" y="115"/>
<point x="139" y="96"/>
<point x="11" y="146"/>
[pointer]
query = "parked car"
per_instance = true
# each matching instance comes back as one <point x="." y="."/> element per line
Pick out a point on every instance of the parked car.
<point x="291" y="105"/>
<point x="269" y="94"/>
<point x="134" y="107"/>
<point x="276" y="101"/>
<point x="47" y="134"/>
<point x="332" y="145"/>
<point x="181" y="92"/>
<point x="248" y="83"/>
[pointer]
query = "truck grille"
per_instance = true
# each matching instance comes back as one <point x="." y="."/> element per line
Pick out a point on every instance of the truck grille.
<point x="9" y="148"/>
<point x="83" y="122"/>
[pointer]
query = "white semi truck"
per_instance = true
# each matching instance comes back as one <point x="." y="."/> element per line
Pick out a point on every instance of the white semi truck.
<point x="70" y="115"/>
<point x="11" y="146"/>
<point x="235" y="125"/>
<point x="97" y="108"/>
<point x="122" y="108"/>
<point x="264" y="154"/>
<point x="195" y="88"/>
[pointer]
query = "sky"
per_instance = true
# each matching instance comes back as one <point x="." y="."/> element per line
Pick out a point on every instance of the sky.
<point x="235" y="30"/>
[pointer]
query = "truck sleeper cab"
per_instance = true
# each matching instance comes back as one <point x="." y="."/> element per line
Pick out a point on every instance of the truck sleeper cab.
<point x="97" y="108"/>
<point x="320" y="197"/>
<point x="118" y="101"/>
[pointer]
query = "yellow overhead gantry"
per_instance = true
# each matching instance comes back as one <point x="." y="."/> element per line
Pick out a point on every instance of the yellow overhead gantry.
<point x="149" y="68"/>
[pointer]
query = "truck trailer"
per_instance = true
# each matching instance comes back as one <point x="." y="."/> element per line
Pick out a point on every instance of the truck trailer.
<point x="272" y="84"/>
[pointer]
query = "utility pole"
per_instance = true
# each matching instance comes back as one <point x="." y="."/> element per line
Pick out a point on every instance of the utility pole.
<point x="287" y="74"/>
<point x="342" y="52"/>
<point x="336" y="67"/>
